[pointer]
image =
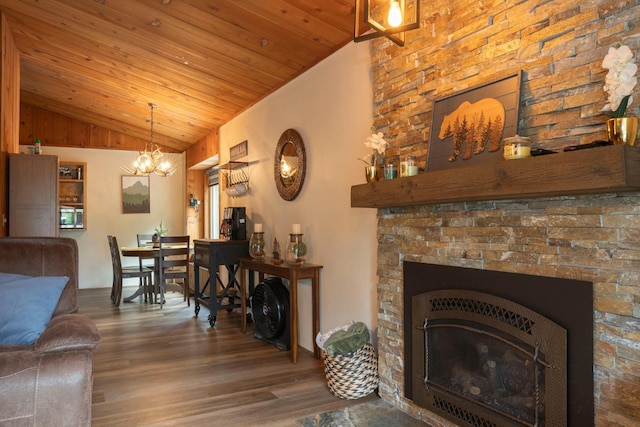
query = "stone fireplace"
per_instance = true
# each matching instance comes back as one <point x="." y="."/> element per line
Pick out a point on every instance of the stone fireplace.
<point x="486" y="348"/>
<point x="593" y="238"/>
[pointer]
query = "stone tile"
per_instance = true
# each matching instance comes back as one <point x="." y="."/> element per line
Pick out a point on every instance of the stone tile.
<point x="377" y="413"/>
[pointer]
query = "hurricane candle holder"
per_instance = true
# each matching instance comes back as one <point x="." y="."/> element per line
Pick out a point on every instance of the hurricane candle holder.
<point x="296" y="250"/>
<point x="257" y="244"/>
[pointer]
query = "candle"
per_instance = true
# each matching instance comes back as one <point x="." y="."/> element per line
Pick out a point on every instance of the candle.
<point x="296" y="229"/>
<point x="257" y="228"/>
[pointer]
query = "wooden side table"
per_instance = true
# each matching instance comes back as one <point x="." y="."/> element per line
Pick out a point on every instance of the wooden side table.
<point x="292" y="274"/>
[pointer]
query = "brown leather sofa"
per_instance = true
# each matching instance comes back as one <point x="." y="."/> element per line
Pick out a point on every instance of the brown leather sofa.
<point x="48" y="383"/>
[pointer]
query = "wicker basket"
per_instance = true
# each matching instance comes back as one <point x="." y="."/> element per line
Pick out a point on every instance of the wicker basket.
<point x="354" y="375"/>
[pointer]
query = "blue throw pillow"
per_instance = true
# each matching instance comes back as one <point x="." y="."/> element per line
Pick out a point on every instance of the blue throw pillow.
<point x="26" y="306"/>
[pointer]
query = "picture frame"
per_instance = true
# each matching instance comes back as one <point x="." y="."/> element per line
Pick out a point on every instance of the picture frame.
<point x="136" y="194"/>
<point x="468" y="128"/>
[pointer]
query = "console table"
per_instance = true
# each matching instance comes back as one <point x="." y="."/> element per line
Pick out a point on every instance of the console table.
<point x="292" y="274"/>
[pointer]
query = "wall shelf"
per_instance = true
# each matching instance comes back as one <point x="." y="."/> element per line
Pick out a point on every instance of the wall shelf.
<point x="72" y="195"/>
<point x="610" y="169"/>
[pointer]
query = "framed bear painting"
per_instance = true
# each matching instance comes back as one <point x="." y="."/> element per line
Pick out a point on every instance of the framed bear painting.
<point x="469" y="127"/>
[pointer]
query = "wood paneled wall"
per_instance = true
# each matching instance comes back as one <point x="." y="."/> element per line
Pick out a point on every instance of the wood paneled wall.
<point x="57" y="130"/>
<point x="9" y="110"/>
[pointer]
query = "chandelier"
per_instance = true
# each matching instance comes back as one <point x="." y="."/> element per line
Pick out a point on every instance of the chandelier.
<point x="151" y="160"/>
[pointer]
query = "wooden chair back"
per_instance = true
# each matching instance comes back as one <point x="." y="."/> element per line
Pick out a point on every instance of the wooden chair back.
<point x="120" y="273"/>
<point x="174" y="263"/>
<point x="116" y="266"/>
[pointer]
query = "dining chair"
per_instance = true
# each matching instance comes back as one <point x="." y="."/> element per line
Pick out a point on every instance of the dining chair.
<point x="174" y="265"/>
<point x="149" y="262"/>
<point x="120" y="273"/>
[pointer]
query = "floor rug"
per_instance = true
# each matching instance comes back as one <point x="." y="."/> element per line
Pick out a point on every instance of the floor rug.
<point x="377" y="413"/>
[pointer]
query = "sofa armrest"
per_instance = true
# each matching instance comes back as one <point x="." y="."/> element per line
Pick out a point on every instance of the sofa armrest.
<point x="68" y="332"/>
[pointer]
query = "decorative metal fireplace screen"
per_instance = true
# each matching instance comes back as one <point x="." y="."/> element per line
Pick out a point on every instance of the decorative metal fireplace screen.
<point x="488" y="361"/>
<point x="487" y="348"/>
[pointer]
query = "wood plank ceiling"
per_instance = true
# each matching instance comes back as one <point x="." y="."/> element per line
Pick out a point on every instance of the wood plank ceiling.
<point x="200" y="61"/>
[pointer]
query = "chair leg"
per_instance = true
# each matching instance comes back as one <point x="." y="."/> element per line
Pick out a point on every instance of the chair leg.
<point x="185" y="292"/>
<point x="118" y="293"/>
<point x="149" y="289"/>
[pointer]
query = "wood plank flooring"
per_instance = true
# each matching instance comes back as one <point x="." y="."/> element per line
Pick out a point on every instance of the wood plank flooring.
<point x="168" y="368"/>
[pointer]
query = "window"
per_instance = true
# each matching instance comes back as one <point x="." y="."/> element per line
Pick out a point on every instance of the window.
<point x="214" y="204"/>
<point x="214" y="208"/>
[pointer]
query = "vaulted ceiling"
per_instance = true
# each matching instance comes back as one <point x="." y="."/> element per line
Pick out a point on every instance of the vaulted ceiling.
<point x="201" y="62"/>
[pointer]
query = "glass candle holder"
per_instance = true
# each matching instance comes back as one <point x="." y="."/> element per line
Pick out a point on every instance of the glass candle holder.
<point x="412" y="166"/>
<point x="257" y="245"/>
<point x="296" y="250"/>
<point x="390" y="171"/>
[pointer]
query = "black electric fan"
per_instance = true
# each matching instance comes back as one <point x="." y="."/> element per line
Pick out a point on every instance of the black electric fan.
<point x="270" y="309"/>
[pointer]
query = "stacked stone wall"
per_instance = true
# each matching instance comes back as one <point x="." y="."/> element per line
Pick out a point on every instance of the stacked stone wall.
<point x="559" y="47"/>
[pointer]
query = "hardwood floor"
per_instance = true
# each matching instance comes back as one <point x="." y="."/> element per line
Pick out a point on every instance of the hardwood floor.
<point x="168" y="368"/>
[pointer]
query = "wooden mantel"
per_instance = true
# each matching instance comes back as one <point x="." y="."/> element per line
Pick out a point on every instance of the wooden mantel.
<point x="611" y="169"/>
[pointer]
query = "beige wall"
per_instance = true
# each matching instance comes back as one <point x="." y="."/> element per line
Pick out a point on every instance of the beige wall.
<point x="104" y="211"/>
<point x="331" y="107"/>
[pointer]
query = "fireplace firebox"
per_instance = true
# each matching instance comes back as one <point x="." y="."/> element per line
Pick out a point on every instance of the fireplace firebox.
<point x="486" y="348"/>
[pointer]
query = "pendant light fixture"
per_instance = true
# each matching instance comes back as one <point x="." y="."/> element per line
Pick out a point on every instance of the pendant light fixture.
<point x="395" y="17"/>
<point x="151" y="160"/>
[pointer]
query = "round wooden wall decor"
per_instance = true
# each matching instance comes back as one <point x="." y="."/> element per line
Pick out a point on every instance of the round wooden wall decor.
<point x="289" y="165"/>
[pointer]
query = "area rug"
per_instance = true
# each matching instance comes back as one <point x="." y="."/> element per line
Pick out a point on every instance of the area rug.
<point x="377" y="413"/>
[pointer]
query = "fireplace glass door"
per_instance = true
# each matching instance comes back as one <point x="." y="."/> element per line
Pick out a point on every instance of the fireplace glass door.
<point x="486" y="367"/>
<point x="488" y="361"/>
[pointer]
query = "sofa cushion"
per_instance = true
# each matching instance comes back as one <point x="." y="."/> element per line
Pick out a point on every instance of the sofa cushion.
<point x="26" y="306"/>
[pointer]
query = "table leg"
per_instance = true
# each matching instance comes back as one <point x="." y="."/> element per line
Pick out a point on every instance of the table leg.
<point x="243" y="296"/>
<point x="136" y="294"/>
<point x="293" y="308"/>
<point x="315" y="296"/>
<point x="196" y="288"/>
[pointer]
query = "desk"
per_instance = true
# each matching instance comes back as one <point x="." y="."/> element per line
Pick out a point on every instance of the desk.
<point x="211" y="254"/>
<point x="291" y="273"/>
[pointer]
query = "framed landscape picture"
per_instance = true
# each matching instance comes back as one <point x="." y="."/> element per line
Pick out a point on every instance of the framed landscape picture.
<point x="468" y="127"/>
<point x="135" y="194"/>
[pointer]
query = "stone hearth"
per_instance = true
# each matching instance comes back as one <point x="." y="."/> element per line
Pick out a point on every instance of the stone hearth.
<point x="589" y="238"/>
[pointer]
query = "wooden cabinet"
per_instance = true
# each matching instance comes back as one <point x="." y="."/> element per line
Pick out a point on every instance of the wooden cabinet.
<point x="33" y="195"/>
<point x="72" y="195"/>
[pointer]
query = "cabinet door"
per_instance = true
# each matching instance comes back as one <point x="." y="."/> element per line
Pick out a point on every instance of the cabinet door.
<point x="33" y="195"/>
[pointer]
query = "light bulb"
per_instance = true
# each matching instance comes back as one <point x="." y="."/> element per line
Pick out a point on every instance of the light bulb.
<point x="395" y="14"/>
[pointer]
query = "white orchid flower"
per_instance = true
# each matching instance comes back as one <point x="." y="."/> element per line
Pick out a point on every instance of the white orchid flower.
<point x="376" y="142"/>
<point x="619" y="81"/>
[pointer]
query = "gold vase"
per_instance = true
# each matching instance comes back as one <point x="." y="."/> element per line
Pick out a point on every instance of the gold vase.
<point x="372" y="173"/>
<point x="623" y="130"/>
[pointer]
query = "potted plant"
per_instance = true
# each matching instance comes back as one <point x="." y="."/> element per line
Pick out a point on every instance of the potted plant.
<point x="160" y="231"/>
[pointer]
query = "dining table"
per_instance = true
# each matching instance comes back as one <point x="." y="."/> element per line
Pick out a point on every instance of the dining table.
<point x="148" y="252"/>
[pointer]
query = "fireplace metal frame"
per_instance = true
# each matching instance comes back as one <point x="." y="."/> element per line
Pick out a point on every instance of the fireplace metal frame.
<point x="489" y="313"/>
<point x="567" y="301"/>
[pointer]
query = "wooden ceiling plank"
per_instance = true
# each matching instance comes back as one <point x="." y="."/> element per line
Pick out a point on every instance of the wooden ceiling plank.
<point x="283" y="13"/>
<point x="136" y="25"/>
<point x="69" y="92"/>
<point x="96" y="81"/>
<point x="205" y="60"/>
<point x="85" y="36"/>
<point x="256" y="33"/>
<point x="337" y="13"/>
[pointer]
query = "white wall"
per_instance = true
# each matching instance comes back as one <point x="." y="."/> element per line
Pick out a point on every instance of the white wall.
<point x="104" y="210"/>
<point x="331" y="107"/>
